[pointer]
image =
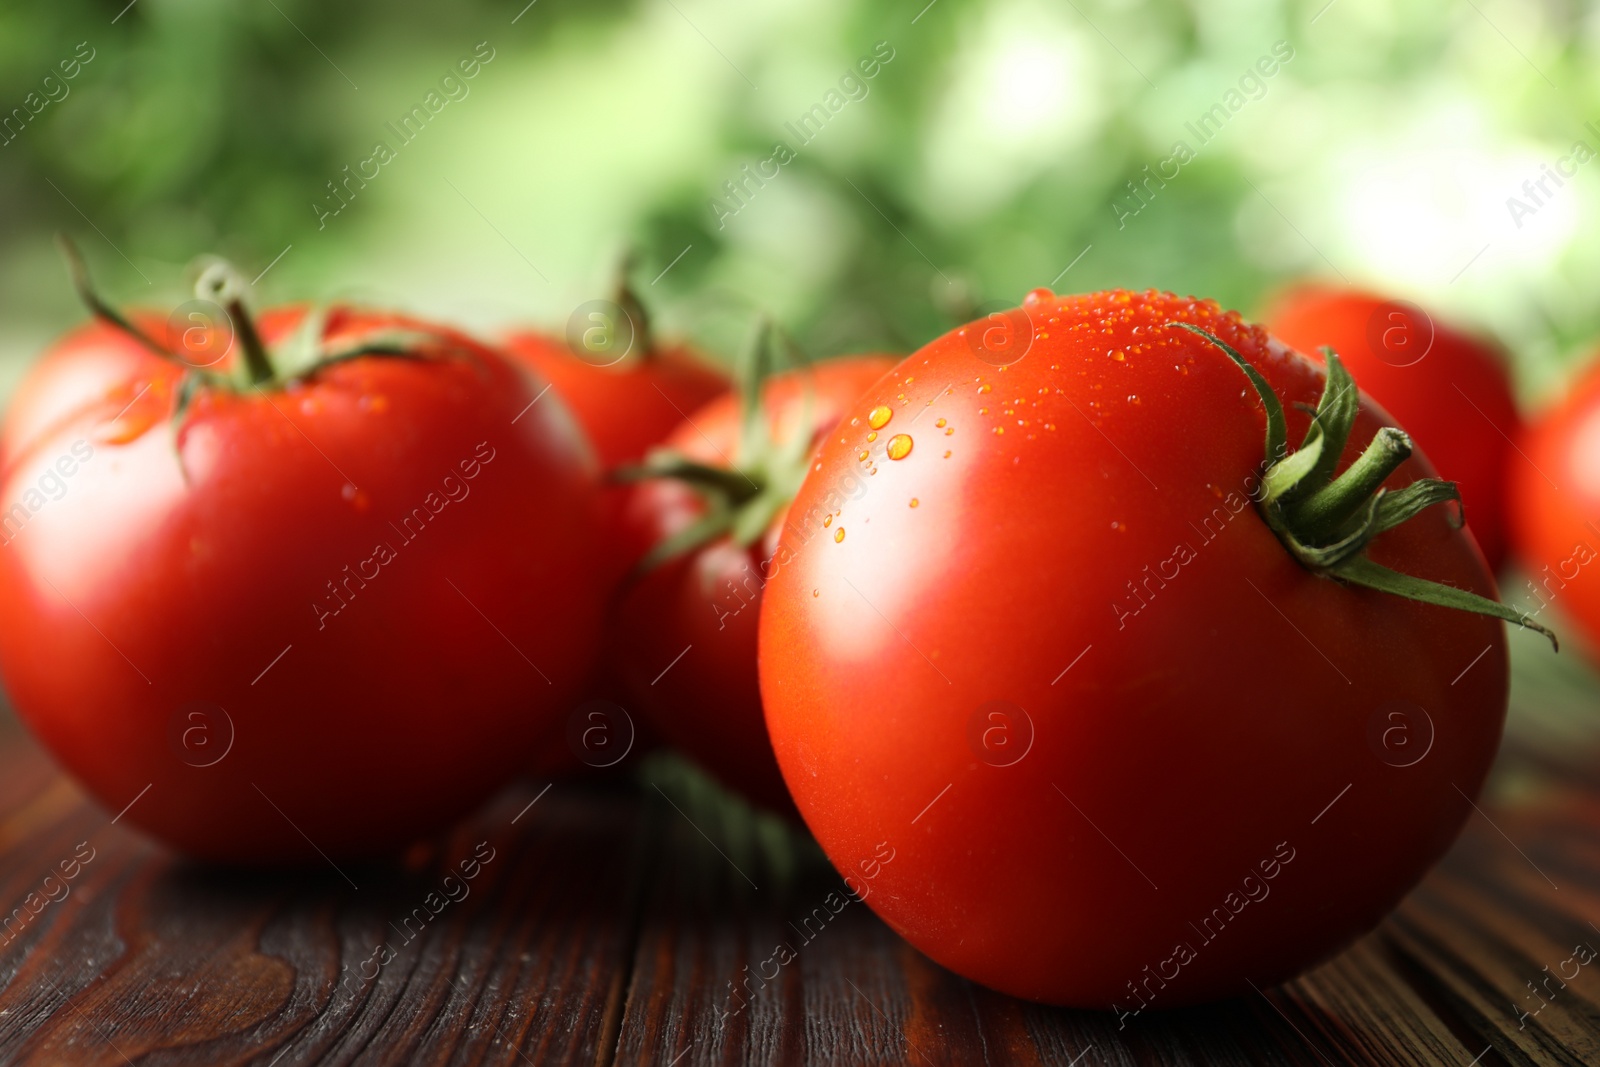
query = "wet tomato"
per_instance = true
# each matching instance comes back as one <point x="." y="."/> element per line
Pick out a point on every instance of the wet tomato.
<point x="1141" y="718"/>
<point x="685" y="629"/>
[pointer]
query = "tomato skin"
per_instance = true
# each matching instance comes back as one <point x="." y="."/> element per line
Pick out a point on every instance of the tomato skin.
<point x="627" y="409"/>
<point x="1455" y="400"/>
<point x="147" y="587"/>
<point x="1185" y="741"/>
<point x="1555" y="495"/>
<point x="708" y="703"/>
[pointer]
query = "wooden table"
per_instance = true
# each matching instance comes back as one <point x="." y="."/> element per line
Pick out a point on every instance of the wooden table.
<point x="609" y="920"/>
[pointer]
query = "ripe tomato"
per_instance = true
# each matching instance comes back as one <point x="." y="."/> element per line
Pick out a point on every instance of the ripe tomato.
<point x="1451" y="391"/>
<point x="323" y="612"/>
<point x="628" y="394"/>
<point x="685" y="630"/>
<point x="1554" y="498"/>
<point x="626" y="401"/>
<point x="1119" y="747"/>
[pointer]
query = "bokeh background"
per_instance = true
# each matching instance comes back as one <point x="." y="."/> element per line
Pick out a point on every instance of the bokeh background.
<point x="990" y="155"/>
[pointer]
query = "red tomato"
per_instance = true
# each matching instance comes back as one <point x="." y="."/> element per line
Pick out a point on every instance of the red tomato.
<point x="627" y="402"/>
<point x="1555" y="500"/>
<point x="1064" y="708"/>
<point x="686" y="630"/>
<point x="313" y="618"/>
<point x="1451" y="391"/>
<point x="626" y="407"/>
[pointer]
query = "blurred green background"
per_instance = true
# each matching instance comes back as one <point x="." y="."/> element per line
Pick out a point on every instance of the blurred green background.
<point x="987" y="157"/>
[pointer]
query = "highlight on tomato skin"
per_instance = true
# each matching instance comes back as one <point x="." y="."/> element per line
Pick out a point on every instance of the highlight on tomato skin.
<point x="318" y="614"/>
<point x="1450" y="389"/>
<point x="1130" y="750"/>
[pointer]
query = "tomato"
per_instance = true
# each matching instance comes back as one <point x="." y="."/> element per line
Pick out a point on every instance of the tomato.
<point x="1060" y="702"/>
<point x="627" y="402"/>
<point x="286" y="616"/>
<point x="628" y="393"/>
<point x="1555" y="499"/>
<point x="1450" y="390"/>
<point x="685" y="631"/>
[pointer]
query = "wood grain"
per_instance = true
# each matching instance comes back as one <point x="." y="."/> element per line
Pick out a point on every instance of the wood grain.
<point x="617" y="923"/>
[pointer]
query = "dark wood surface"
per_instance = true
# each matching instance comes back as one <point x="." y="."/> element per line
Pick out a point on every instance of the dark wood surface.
<point x="612" y="917"/>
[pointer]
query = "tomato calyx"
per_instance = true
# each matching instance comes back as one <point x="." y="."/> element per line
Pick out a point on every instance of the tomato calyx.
<point x="300" y="356"/>
<point x="742" y="500"/>
<point x="1327" y="522"/>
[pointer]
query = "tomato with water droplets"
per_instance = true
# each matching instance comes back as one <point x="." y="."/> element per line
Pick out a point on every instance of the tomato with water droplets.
<point x="1129" y="748"/>
<point x="685" y="629"/>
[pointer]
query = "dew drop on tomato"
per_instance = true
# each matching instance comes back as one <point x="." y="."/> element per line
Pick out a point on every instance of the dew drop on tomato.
<point x="899" y="446"/>
<point x="879" y="417"/>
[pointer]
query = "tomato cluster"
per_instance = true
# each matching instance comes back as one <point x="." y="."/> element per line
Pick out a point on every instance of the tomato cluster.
<point x="1130" y="633"/>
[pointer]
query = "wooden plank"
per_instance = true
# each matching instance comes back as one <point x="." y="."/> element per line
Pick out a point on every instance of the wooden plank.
<point x="153" y="960"/>
<point x="620" y="925"/>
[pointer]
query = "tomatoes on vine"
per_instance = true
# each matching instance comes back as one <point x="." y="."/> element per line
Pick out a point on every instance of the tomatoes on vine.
<point x="684" y="631"/>
<point x="1148" y="705"/>
<point x="299" y="588"/>
<point x="1451" y="391"/>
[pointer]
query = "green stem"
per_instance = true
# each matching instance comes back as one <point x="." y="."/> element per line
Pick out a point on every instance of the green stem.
<point x="1322" y="514"/>
<point x="220" y="283"/>
<point x="734" y="486"/>
<point x="1326" y="523"/>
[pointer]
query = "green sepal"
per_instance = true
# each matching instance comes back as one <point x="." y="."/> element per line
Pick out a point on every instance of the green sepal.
<point x="1277" y="428"/>
<point x="1330" y="428"/>
<point x="713" y="524"/>
<point x="78" y="271"/>
<point x="1360" y="570"/>
<point x="1327" y="522"/>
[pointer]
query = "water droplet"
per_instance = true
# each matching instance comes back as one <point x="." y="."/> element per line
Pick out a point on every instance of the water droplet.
<point x="899" y="446"/>
<point x="863" y="456"/>
<point x="999" y="429"/>
<point x="838" y="535"/>
<point x="947" y="454"/>
<point x="827" y="520"/>
<point x="984" y="388"/>
<point x="914" y="501"/>
<point x="816" y="592"/>
<point x="872" y="436"/>
<point x="879" y="417"/>
<point x="1117" y="354"/>
<point x="940" y="423"/>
